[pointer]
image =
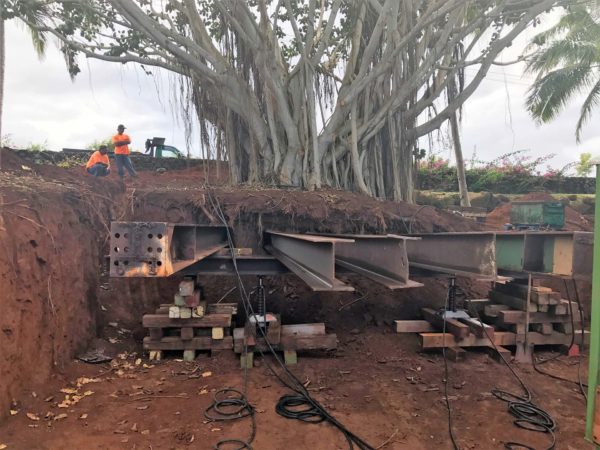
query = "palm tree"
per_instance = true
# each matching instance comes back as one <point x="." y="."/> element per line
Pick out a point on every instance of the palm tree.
<point x="566" y="63"/>
<point x="33" y="13"/>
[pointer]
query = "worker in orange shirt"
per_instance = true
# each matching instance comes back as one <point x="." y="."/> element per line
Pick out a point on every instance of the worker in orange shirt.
<point x="98" y="164"/>
<point x="121" y="142"/>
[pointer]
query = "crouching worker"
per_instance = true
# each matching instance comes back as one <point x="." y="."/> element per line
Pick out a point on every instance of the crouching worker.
<point x="98" y="164"/>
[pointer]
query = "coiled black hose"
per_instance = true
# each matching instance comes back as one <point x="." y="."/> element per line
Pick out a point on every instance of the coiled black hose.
<point x="225" y="408"/>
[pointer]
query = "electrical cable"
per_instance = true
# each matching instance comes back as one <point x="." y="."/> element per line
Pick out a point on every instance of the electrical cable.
<point x="451" y="293"/>
<point x="231" y="408"/>
<point x="293" y="383"/>
<point x="527" y="415"/>
<point x="536" y="363"/>
<point x="582" y="349"/>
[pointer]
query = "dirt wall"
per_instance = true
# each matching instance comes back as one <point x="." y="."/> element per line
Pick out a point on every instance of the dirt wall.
<point x="50" y="240"/>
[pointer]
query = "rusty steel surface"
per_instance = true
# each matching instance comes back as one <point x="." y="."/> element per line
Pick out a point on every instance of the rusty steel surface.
<point x="312" y="258"/>
<point x="583" y="255"/>
<point x="160" y="249"/>
<point x="465" y="254"/>
<point x="381" y="258"/>
<point x="246" y="265"/>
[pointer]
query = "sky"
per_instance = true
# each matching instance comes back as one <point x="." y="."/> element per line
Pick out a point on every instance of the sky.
<point x="43" y="105"/>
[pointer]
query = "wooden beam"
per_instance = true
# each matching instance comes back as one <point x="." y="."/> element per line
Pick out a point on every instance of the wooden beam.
<point x="493" y="310"/>
<point x="539" y="295"/>
<point x="498" y="352"/>
<point x="513" y="302"/>
<point x="456" y="353"/>
<point x="563" y="308"/>
<point x="439" y="340"/>
<point x="413" y="326"/>
<point x="208" y="321"/>
<point x="303" y="329"/>
<point x="479" y="329"/>
<point x="513" y="316"/>
<point x="459" y="330"/>
<point x="556" y="338"/>
<point x="325" y="342"/>
<point x="187" y="333"/>
<point x="543" y="328"/>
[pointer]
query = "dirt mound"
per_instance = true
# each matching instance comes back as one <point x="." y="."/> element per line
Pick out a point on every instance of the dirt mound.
<point x="574" y="221"/>
<point x="194" y="176"/>
<point x="537" y="196"/>
<point x="9" y="160"/>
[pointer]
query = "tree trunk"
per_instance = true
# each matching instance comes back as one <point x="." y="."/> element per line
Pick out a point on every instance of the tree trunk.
<point x="258" y="82"/>
<point x="460" y="163"/>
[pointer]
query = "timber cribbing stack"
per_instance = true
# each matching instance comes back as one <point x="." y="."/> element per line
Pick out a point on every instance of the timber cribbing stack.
<point x="210" y="332"/>
<point x="507" y="319"/>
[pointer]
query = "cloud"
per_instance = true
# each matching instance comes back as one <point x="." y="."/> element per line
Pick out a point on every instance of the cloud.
<point x="43" y="105"/>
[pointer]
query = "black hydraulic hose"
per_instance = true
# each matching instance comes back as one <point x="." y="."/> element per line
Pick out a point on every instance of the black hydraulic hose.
<point x="294" y="383"/>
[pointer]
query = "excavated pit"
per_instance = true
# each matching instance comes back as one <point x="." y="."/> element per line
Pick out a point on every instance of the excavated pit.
<point x="57" y="301"/>
<point x="56" y="297"/>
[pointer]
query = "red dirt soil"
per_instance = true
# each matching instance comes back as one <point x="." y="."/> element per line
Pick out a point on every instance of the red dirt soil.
<point x="377" y="385"/>
<point x="54" y="227"/>
<point x="573" y="220"/>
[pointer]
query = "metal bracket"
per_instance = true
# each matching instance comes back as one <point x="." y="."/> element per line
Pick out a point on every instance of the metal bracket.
<point x="159" y="249"/>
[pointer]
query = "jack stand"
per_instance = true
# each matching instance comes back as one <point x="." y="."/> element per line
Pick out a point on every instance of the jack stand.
<point x="259" y="325"/>
<point x="452" y="312"/>
<point x="263" y="323"/>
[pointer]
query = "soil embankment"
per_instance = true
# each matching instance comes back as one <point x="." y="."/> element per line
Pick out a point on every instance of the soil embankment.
<point x="50" y="240"/>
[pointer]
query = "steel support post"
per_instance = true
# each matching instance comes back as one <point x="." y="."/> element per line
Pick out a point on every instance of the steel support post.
<point x="592" y="429"/>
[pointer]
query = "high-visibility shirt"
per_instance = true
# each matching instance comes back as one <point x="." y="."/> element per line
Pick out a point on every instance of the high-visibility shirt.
<point x="96" y="158"/>
<point x="124" y="149"/>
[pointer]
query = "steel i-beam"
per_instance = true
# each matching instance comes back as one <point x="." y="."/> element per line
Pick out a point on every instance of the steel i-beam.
<point x="312" y="258"/>
<point x="484" y="255"/>
<point x="465" y="254"/>
<point x="381" y="258"/>
<point x="159" y="249"/>
<point x="556" y="253"/>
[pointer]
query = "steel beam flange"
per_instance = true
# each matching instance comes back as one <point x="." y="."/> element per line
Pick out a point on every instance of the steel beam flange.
<point x="160" y="249"/>
<point x="312" y="258"/>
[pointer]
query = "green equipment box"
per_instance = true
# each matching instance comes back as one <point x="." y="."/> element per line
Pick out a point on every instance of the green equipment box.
<point x="538" y="213"/>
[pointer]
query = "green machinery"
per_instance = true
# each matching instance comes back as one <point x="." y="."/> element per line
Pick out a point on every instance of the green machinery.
<point x="535" y="215"/>
<point x="156" y="148"/>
